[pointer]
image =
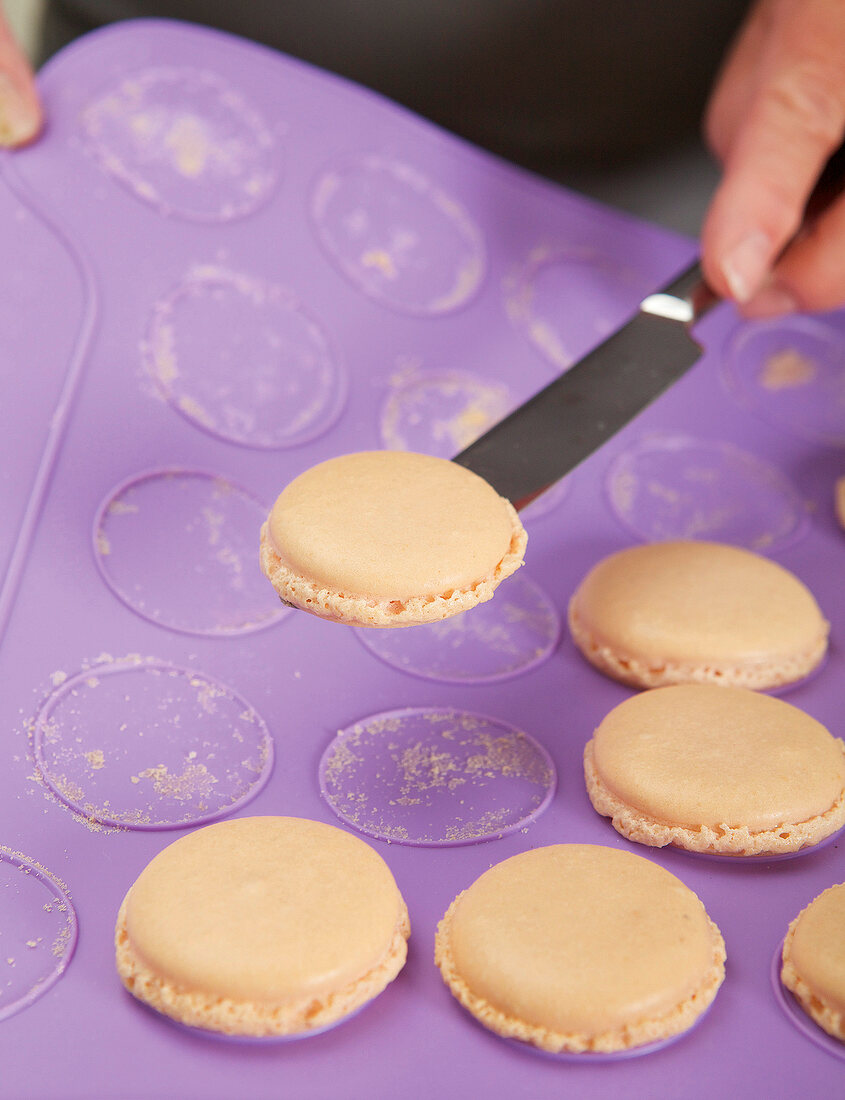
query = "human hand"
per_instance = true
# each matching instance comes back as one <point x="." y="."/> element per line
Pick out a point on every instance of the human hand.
<point x="20" y="110"/>
<point x="776" y="115"/>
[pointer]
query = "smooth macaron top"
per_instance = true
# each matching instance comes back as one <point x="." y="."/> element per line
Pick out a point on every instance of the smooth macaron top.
<point x="697" y="603"/>
<point x="577" y="939"/>
<point x="264" y="909"/>
<point x="699" y="754"/>
<point x="391" y="525"/>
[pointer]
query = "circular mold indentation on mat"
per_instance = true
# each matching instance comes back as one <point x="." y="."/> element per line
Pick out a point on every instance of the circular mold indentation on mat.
<point x="397" y="236"/>
<point x="680" y="487"/>
<point x="243" y="360"/>
<point x="791" y="373"/>
<point x="496" y="640"/>
<point x="441" y="413"/>
<point x="434" y="777"/>
<point x="184" y="141"/>
<point x="797" y="1016"/>
<point x="567" y="300"/>
<point x="179" y="548"/>
<point x="142" y="744"/>
<point x="39" y="931"/>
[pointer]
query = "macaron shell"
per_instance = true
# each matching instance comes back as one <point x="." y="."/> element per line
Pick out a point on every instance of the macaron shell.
<point x="814" y="960"/>
<point x="699" y="755"/>
<point x="676" y="612"/>
<point x="390" y="525"/>
<point x="269" y="913"/>
<point x="579" y="947"/>
<point x="389" y="539"/>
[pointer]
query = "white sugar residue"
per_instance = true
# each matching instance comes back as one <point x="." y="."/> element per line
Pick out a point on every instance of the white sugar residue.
<point x="194" y="784"/>
<point x="681" y="487"/>
<point x="96" y="759"/>
<point x="498" y="639"/>
<point x="440" y="413"/>
<point x="288" y="386"/>
<point x="429" y="777"/>
<point x="398" y="236"/>
<point x="185" y="141"/>
<point x="787" y="370"/>
<point x="203" y="520"/>
<point x="173" y="747"/>
<point x="39" y="913"/>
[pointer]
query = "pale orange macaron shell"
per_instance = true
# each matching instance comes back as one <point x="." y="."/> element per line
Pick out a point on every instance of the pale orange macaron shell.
<point x="577" y="948"/>
<point x="697" y="612"/>
<point x="719" y="770"/>
<point x="262" y="926"/>
<point x="814" y="960"/>
<point x="389" y="538"/>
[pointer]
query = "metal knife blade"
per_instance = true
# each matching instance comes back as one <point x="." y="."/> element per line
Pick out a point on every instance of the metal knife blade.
<point x="542" y="440"/>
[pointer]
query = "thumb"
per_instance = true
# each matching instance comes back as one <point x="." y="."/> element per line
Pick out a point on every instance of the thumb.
<point x="793" y="121"/>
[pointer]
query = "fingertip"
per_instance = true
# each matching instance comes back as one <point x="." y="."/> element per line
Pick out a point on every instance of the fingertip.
<point x="713" y="276"/>
<point x="31" y="132"/>
<point x="711" y="251"/>
<point x="21" y="117"/>
<point x="773" y="300"/>
<point x="736" y="257"/>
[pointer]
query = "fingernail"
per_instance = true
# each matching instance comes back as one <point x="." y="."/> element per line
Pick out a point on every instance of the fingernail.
<point x="20" y="118"/>
<point x="772" y="301"/>
<point x="746" y="266"/>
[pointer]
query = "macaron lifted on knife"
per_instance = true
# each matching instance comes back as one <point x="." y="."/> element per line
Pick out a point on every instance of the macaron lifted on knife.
<point x="387" y="538"/>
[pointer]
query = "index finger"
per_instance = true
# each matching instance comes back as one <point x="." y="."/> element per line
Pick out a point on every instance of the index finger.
<point x="20" y="110"/>
<point x="795" y="120"/>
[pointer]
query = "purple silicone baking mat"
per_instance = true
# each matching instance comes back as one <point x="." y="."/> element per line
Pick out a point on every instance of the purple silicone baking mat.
<point x="219" y="267"/>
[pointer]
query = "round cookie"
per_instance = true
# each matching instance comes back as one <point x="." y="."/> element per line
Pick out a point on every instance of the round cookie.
<point x="716" y="769"/>
<point x="576" y="947"/>
<point x="814" y="960"/>
<point x="262" y="926"/>
<point x="696" y="612"/>
<point x="389" y="538"/>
